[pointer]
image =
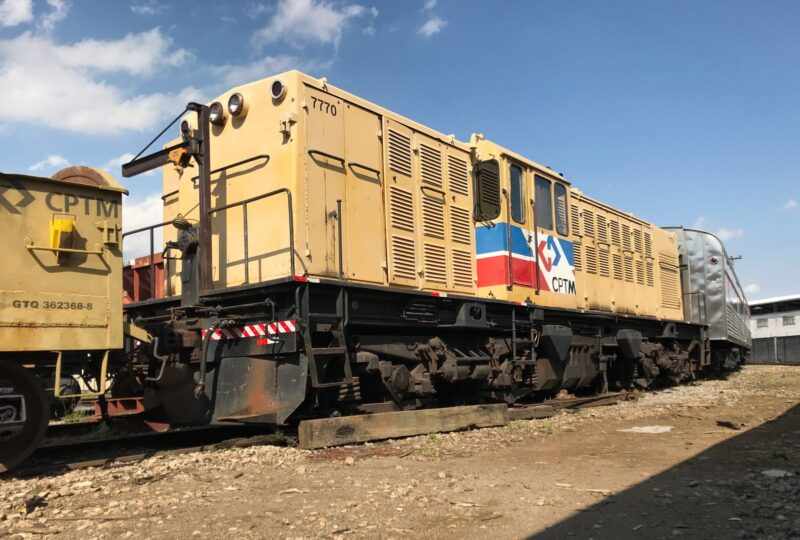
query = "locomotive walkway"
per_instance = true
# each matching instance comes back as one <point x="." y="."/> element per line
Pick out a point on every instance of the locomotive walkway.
<point x="713" y="460"/>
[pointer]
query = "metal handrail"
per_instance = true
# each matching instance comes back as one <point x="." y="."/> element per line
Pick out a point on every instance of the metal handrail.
<point x="152" y="229"/>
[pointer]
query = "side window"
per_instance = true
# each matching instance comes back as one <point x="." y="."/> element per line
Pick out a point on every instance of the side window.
<point x="543" y="204"/>
<point x="517" y="194"/>
<point x="561" y="209"/>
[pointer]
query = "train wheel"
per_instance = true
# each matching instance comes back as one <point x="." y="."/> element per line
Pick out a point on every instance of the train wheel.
<point x="24" y="414"/>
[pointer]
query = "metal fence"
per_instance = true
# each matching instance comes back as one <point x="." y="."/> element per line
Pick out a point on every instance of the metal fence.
<point x="776" y="350"/>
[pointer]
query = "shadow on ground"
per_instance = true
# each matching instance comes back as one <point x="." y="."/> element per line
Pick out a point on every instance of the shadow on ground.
<point x="745" y="487"/>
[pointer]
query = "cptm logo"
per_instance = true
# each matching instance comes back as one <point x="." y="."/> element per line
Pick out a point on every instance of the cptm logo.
<point x="556" y="264"/>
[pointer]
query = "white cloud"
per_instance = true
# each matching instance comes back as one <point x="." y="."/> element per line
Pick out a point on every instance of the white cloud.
<point x="432" y="26"/>
<point x="58" y="12"/>
<point x="236" y="74"/>
<point x="59" y="86"/>
<point x="142" y="213"/>
<point x="429" y="5"/>
<point x="752" y="288"/>
<point x="729" y="234"/>
<point x="14" y="12"/>
<point x="50" y="162"/>
<point x="149" y="7"/>
<point x="791" y="203"/>
<point x="699" y="222"/>
<point x="299" y="22"/>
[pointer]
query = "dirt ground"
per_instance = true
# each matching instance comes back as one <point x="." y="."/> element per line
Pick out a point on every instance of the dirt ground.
<point x="719" y="459"/>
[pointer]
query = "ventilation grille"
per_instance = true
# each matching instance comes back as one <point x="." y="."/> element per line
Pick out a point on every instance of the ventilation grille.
<point x="626" y="237"/>
<point x="628" y="268"/>
<point x="618" y="267"/>
<point x="489" y="189"/>
<point x="458" y="175"/>
<point x="648" y="245"/>
<point x="670" y="296"/>
<point x="430" y="160"/>
<point x="588" y="223"/>
<point x="578" y="255"/>
<point x="602" y="259"/>
<point x="462" y="268"/>
<point x="576" y="221"/>
<point x="637" y="240"/>
<point x="649" y="267"/>
<point x="668" y="259"/>
<point x="435" y="264"/>
<point x="615" y="232"/>
<point x="602" y="229"/>
<point x="403" y="258"/>
<point x="399" y="153"/>
<point x="433" y="217"/>
<point x="401" y="208"/>
<point x="591" y="259"/>
<point x="460" y="225"/>
<point x="639" y="272"/>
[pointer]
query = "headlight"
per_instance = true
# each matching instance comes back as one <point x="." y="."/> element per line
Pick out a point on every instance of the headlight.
<point x="278" y="90"/>
<point x="236" y="104"/>
<point x="216" y="114"/>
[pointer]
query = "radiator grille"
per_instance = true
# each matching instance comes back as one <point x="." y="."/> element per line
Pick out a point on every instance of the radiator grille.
<point x="617" y="267"/>
<point x="403" y="258"/>
<point x="602" y="259"/>
<point x="649" y="267"/>
<point x="602" y="229"/>
<point x="626" y="237"/>
<point x="458" y="175"/>
<point x="629" y="268"/>
<point x="637" y="240"/>
<point x="578" y="255"/>
<point x="401" y="204"/>
<point x="591" y="259"/>
<point x="430" y="160"/>
<point x="639" y="272"/>
<point x="615" y="232"/>
<point x="435" y="265"/>
<point x="433" y="217"/>
<point x="399" y="153"/>
<point x="576" y="221"/>
<point x="462" y="268"/>
<point x="460" y="225"/>
<point x="670" y="291"/>
<point x="588" y="223"/>
<point x="648" y="245"/>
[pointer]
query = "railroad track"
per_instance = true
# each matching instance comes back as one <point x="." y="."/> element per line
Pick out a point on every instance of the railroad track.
<point x="85" y="445"/>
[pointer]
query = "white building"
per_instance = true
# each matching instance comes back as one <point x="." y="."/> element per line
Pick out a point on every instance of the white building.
<point x="775" y="327"/>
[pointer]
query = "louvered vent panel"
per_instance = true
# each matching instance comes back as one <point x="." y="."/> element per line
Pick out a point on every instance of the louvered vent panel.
<point x="402" y="208"/>
<point x="458" y="175"/>
<point x="650" y="280"/>
<point x="626" y="237"/>
<point x="462" y="268"/>
<point x="602" y="229"/>
<point x="399" y="153"/>
<point x="591" y="259"/>
<point x="433" y="217"/>
<point x="576" y="221"/>
<point x="668" y="259"/>
<point x="670" y="291"/>
<point x="435" y="264"/>
<point x="648" y="245"/>
<point x="615" y="233"/>
<point x="618" y="267"/>
<point x="430" y="160"/>
<point x="602" y="261"/>
<point x="460" y="225"/>
<point x="640" y="272"/>
<point x="628" y="268"/>
<point x="577" y="254"/>
<point x="588" y="223"/>
<point x="637" y="240"/>
<point x="403" y="258"/>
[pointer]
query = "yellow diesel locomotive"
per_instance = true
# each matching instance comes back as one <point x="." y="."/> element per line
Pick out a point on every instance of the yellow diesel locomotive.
<point x="323" y="255"/>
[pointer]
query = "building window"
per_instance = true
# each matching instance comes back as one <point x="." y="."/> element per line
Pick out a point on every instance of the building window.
<point x="762" y="323"/>
<point x="517" y="194"/>
<point x="788" y="320"/>
<point x="543" y="204"/>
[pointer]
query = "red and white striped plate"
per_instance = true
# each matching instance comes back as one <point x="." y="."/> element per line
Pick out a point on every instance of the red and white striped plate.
<point x="254" y="330"/>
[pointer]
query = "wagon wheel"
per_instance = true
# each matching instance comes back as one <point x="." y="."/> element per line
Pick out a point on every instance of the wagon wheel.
<point x="24" y="414"/>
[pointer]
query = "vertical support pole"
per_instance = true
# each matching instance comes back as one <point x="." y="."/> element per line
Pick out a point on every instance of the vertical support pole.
<point x="152" y="263"/>
<point x="204" y="185"/>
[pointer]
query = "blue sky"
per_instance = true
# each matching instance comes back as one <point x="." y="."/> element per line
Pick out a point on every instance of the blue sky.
<point x="682" y="112"/>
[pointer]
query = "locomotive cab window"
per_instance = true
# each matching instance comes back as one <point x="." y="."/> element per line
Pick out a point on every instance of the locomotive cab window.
<point x="561" y="209"/>
<point x="543" y="204"/>
<point x="517" y="193"/>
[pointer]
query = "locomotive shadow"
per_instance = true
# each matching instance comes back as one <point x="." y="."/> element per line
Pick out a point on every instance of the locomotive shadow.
<point x="707" y="496"/>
